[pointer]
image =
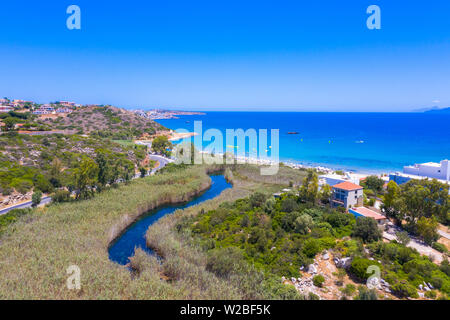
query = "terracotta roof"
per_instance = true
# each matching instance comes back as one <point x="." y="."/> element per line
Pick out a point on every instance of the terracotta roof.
<point x="347" y="186"/>
<point x="368" y="213"/>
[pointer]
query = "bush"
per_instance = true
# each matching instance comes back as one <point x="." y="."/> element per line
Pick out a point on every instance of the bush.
<point x="224" y="261"/>
<point x="404" y="289"/>
<point x="366" y="294"/>
<point x="431" y="294"/>
<point x="359" y="267"/>
<point x="311" y="248"/>
<point x="439" y="247"/>
<point x="367" y="229"/>
<point x="61" y="196"/>
<point x="349" y="290"/>
<point x="318" y="280"/>
<point x="257" y="199"/>
<point x="289" y="205"/>
<point x="36" y="198"/>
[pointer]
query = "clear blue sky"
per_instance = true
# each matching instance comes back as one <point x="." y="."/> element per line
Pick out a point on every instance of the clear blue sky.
<point x="229" y="55"/>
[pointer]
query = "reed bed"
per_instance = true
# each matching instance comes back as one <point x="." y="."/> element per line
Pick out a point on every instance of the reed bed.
<point x="36" y="251"/>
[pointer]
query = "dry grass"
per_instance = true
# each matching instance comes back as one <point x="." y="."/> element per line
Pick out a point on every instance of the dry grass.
<point x="36" y="251"/>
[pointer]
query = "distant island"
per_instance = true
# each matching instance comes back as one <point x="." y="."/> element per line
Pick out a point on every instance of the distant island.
<point x="434" y="109"/>
<point x="443" y="110"/>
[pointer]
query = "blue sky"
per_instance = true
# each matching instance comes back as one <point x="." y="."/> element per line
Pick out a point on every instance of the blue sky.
<point x="229" y="55"/>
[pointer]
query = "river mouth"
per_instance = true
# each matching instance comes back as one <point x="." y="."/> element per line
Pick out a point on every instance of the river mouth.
<point x="133" y="237"/>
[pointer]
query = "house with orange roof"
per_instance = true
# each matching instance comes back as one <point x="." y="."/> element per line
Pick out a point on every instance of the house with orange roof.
<point x="365" y="212"/>
<point x="347" y="194"/>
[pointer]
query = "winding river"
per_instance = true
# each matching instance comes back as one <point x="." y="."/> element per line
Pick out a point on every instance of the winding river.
<point x="134" y="236"/>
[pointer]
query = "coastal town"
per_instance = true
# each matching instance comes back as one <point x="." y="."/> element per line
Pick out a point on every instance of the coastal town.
<point x="40" y="175"/>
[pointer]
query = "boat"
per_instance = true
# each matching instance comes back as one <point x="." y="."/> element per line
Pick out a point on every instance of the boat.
<point x="293" y="132"/>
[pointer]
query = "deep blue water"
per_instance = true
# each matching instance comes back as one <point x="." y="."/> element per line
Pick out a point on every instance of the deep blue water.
<point x="369" y="142"/>
<point x="134" y="236"/>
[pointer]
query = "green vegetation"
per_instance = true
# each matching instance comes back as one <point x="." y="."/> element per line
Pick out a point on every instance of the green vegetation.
<point x="367" y="229"/>
<point x="278" y="236"/>
<point x="36" y="198"/>
<point x="49" y="163"/>
<point x="421" y="204"/>
<point x="103" y="122"/>
<point x="161" y="145"/>
<point x="80" y="233"/>
<point x="405" y="269"/>
<point x="373" y="183"/>
<point x="318" y="280"/>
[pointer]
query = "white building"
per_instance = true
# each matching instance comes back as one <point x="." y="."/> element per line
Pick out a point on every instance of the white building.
<point x="6" y="109"/>
<point x="333" y="179"/>
<point x="440" y="171"/>
<point x="347" y="194"/>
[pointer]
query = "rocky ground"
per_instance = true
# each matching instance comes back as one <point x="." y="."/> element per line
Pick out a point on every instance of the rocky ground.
<point x="14" y="198"/>
<point x="327" y="266"/>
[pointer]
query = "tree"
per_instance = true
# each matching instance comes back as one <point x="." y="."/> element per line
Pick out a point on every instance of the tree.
<point x="161" y="144"/>
<point x="257" y="199"/>
<point x="36" y="198"/>
<point x="55" y="173"/>
<point x="289" y="205"/>
<point x="309" y="189"/>
<point x="426" y="229"/>
<point x="85" y="177"/>
<point x="325" y="194"/>
<point x="374" y="183"/>
<point x="392" y="202"/>
<point x="143" y="172"/>
<point x="303" y="224"/>
<point x="367" y="229"/>
<point x="104" y="168"/>
<point x="403" y="237"/>
<point x="10" y="123"/>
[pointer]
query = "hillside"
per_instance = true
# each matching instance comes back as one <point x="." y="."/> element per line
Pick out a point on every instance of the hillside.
<point x="48" y="163"/>
<point x="111" y="122"/>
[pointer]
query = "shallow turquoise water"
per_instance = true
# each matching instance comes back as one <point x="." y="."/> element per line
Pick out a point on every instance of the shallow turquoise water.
<point x="369" y="142"/>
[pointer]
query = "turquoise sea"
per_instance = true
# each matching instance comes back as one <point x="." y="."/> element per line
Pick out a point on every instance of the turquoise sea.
<point x="364" y="142"/>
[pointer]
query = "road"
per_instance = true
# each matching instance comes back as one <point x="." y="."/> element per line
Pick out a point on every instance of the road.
<point x="162" y="161"/>
<point x="423" y="248"/>
<point x="444" y="234"/>
<point x="24" y="205"/>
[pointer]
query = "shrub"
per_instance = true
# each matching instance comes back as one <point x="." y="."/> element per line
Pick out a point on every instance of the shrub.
<point x="36" y="198"/>
<point x="224" y="261"/>
<point x="431" y="294"/>
<point x="289" y="205"/>
<point x="311" y="248"/>
<point x="366" y="294"/>
<point x="367" y="229"/>
<point x="303" y="224"/>
<point x="318" y="280"/>
<point x="439" y="247"/>
<point x="257" y="199"/>
<point x="404" y="289"/>
<point x="359" y="267"/>
<point x="349" y="290"/>
<point x="61" y="196"/>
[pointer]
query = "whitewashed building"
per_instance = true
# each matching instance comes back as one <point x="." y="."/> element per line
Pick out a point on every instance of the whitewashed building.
<point x="440" y="171"/>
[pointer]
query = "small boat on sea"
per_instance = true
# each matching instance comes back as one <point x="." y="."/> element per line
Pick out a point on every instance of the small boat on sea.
<point x="292" y="132"/>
